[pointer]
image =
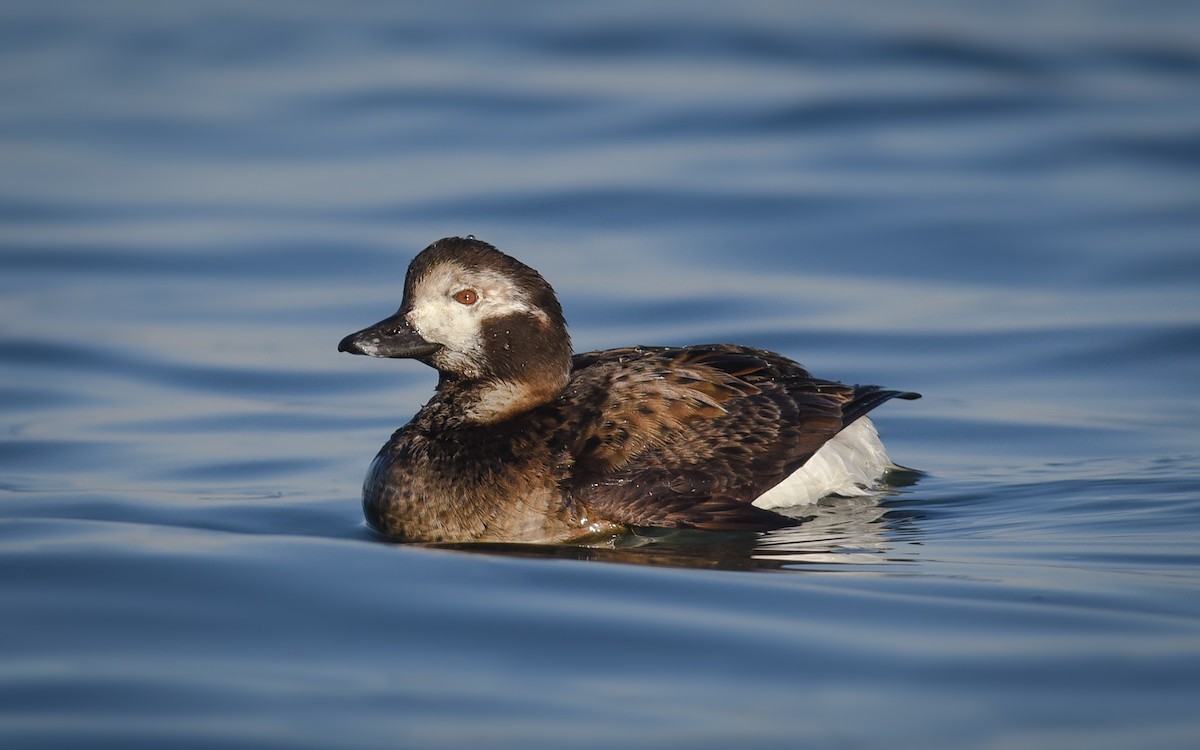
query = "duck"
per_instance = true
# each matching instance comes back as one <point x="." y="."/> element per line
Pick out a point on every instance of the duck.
<point x="525" y="442"/>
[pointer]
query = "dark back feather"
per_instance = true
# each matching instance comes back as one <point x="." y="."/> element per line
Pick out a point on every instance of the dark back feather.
<point x="691" y="436"/>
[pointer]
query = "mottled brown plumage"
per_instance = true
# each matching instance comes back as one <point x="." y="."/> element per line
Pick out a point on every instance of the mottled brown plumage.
<point x="522" y="442"/>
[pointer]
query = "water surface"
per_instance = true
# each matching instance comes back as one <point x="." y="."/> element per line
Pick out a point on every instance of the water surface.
<point x="997" y="205"/>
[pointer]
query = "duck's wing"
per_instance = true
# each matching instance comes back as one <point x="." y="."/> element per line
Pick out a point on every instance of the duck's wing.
<point x="691" y="436"/>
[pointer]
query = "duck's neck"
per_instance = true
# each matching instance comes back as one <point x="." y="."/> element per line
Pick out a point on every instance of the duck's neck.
<point x="528" y="364"/>
<point x="524" y="362"/>
<point x="493" y="401"/>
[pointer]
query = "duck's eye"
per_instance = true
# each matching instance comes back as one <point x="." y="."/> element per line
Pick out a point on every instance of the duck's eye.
<point x="466" y="297"/>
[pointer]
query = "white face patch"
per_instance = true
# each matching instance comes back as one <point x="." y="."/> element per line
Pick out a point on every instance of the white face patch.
<point x="440" y="319"/>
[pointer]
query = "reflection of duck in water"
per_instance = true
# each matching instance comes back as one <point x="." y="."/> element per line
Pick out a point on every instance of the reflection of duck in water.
<point x="524" y="443"/>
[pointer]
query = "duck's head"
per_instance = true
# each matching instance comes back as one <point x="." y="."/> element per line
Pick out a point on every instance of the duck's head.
<point x="490" y="325"/>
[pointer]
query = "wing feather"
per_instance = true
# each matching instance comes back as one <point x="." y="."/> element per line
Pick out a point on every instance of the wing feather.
<point x="691" y="436"/>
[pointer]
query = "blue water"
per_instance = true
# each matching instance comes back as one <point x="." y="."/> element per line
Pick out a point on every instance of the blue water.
<point x="996" y="204"/>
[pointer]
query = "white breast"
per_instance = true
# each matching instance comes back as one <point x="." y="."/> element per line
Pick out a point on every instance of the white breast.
<point x="849" y="464"/>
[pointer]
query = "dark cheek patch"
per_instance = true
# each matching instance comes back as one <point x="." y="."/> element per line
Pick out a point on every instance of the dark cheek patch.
<point x="511" y="345"/>
<point x="516" y="344"/>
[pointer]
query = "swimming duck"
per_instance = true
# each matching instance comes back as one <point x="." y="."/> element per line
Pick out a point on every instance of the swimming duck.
<point x="523" y="442"/>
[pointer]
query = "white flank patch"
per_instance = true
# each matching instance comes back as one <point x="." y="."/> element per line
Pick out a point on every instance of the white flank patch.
<point x="849" y="464"/>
